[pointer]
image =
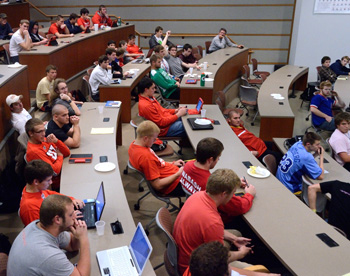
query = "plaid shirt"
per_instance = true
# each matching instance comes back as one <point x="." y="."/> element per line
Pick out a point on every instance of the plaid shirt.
<point x="327" y="73"/>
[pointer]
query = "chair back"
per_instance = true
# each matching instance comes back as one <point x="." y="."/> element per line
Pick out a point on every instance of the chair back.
<point x="86" y="79"/>
<point x="248" y="95"/>
<point x="134" y="125"/>
<point x="200" y="49"/>
<point x="7" y="52"/>
<point x="194" y="50"/>
<point x="318" y="68"/>
<point x="255" y="64"/>
<point x="207" y="45"/>
<point x="23" y="140"/>
<point x="164" y="222"/>
<point x="321" y="199"/>
<point x="197" y="56"/>
<point x="244" y="81"/>
<point x="270" y="162"/>
<point x="220" y="99"/>
<point x="246" y="71"/>
<point x="331" y="153"/>
<point x="89" y="71"/>
<point x="149" y="53"/>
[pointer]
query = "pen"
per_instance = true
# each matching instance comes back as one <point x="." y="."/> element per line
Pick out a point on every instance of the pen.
<point x="246" y="183"/>
<point x="92" y="109"/>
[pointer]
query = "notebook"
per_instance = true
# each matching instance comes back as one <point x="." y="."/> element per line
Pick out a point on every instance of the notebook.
<point x="195" y="126"/>
<point x="93" y="208"/>
<point x="198" y="108"/>
<point x="126" y="260"/>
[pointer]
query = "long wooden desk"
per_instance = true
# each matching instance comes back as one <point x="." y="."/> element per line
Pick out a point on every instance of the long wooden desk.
<point x="82" y="181"/>
<point x="70" y="58"/>
<point x="277" y="120"/>
<point x="286" y="225"/>
<point x="122" y="92"/>
<point x="15" y="12"/>
<point x="226" y="66"/>
<point x="13" y="81"/>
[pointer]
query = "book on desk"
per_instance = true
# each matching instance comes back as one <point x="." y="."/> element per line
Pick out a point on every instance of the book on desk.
<point x="113" y="104"/>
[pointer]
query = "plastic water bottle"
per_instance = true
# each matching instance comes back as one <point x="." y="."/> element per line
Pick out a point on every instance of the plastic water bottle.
<point x="119" y="21"/>
<point x="202" y="79"/>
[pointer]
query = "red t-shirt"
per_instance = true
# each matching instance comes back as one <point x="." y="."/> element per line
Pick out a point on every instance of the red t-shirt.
<point x="145" y="160"/>
<point x="133" y="49"/>
<point x="55" y="29"/>
<point x="150" y="109"/>
<point x="198" y="222"/>
<point x="252" y="142"/>
<point x="85" y="23"/>
<point x="194" y="179"/>
<point x="187" y="272"/>
<point x="29" y="207"/>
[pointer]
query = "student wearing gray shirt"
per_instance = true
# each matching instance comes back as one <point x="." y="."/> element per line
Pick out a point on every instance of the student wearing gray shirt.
<point x="221" y="41"/>
<point x="37" y="250"/>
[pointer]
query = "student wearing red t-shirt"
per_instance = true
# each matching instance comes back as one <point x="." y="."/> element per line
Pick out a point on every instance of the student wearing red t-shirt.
<point x="164" y="176"/>
<point x="84" y="22"/>
<point x="38" y="176"/>
<point x="59" y="29"/>
<point x="133" y="50"/>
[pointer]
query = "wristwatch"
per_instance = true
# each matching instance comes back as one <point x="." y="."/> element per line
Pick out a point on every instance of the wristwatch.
<point x="69" y="101"/>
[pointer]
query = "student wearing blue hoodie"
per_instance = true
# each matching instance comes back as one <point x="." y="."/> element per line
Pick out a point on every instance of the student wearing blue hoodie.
<point x="339" y="66"/>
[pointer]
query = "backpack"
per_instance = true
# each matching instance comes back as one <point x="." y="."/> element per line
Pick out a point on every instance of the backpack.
<point x="159" y="145"/>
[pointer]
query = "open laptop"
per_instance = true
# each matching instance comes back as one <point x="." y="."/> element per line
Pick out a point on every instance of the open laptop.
<point x="93" y="208"/>
<point x="198" y="108"/>
<point x="126" y="260"/>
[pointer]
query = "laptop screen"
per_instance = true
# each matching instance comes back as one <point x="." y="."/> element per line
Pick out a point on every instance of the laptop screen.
<point x="100" y="202"/>
<point x="140" y="248"/>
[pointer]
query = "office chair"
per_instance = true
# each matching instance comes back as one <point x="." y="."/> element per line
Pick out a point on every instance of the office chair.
<point x="255" y="69"/>
<point x="248" y="96"/>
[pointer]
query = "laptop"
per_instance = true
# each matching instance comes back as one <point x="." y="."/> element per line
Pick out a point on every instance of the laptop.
<point x="198" y="108"/>
<point x="93" y="208"/>
<point x="126" y="260"/>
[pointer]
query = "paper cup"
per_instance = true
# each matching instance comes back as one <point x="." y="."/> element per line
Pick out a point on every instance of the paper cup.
<point x="100" y="227"/>
<point x="191" y="70"/>
<point x="96" y="27"/>
<point x="100" y="109"/>
<point x="203" y="111"/>
<point x="205" y="65"/>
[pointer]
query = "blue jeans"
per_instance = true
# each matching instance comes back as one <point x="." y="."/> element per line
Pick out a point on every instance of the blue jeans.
<point x="328" y="126"/>
<point x="176" y="129"/>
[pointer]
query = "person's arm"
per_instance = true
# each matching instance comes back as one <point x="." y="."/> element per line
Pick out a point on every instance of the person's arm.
<point x="229" y="42"/>
<point x="321" y="153"/>
<point x="312" y="195"/>
<point x="165" y="40"/>
<point x="344" y="157"/>
<point x="27" y="44"/>
<point x="104" y="78"/>
<point x="328" y="74"/>
<point x="217" y="43"/>
<point x="319" y="113"/>
<point x="163" y="81"/>
<point x="74" y="141"/>
<point x="80" y="240"/>
<point x="246" y="272"/>
<point x="338" y="101"/>
<point x="159" y="184"/>
<point x="62" y="148"/>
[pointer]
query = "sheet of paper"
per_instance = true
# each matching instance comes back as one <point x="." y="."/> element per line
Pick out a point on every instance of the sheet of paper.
<point x="102" y="130"/>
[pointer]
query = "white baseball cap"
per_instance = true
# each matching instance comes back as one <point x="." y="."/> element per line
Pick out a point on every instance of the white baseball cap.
<point x="12" y="98"/>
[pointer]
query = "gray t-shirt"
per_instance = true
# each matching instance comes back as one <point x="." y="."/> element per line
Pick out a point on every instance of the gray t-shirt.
<point x="175" y="65"/>
<point x="36" y="252"/>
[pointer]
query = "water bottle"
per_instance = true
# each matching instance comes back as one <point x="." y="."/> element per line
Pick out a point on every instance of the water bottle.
<point x="202" y="79"/>
<point x="119" y="21"/>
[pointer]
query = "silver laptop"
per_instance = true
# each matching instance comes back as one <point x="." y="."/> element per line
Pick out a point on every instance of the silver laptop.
<point x="126" y="260"/>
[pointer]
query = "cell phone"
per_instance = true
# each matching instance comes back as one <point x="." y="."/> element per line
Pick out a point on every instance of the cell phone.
<point x="103" y="159"/>
<point x="106" y="119"/>
<point x="247" y="164"/>
<point x="117" y="227"/>
<point x="327" y="239"/>
<point x="281" y="103"/>
<point x="216" y="122"/>
<point x="239" y="194"/>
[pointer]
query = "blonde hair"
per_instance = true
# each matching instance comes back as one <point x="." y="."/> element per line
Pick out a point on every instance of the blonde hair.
<point x="325" y="83"/>
<point x="147" y="128"/>
<point x="222" y="180"/>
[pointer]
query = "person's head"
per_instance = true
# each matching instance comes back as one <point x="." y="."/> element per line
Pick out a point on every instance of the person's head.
<point x="326" y="88"/>
<point x="326" y="61"/>
<point x="311" y="141"/>
<point x="234" y="118"/>
<point x="342" y="122"/>
<point x="84" y="13"/>
<point x="222" y="32"/>
<point x="111" y="54"/>
<point x="209" y="150"/>
<point x="187" y="50"/>
<point x="73" y="17"/>
<point x="35" y="130"/>
<point x="147" y="87"/>
<point x="209" y="259"/>
<point x="59" y="87"/>
<point x="344" y="60"/>
<point x="33" y="27"/>
<point x="111" y="44"/>
<point x="147" y="133"/>
<point x="172" y="50"/>
<point x="51" y="72"/>
<point x="159" y="50"/>
<point x="131" y="39"/>
<point x="120" y="53"/>
<point x="158" y="31"/>
<point x="155" y="61"/>
<point x="123" y="44"/>
<point x="60" y="114"/>
<point x="3" y="18"/>
<point x="15" y="103"/>
<point x="102" y="9"/>
<point x="103" y="61"/>
<point x="23" y="25"/>
<point x="223" y="183"/>
<point x="59" y="20"/>
<point x="57" y="210"/>
<point x="38" y="173"/>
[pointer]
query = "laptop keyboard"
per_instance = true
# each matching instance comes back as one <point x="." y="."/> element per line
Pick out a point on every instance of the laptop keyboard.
<point x="119" y="260"/>
<point x="89" y="214"/>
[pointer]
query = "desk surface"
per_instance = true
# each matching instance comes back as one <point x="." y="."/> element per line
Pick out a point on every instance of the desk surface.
<point x="343" y="89"/>
<point x="82" y="181"/>
<point x="10" y="73"/>
<point x="286" y="225"/>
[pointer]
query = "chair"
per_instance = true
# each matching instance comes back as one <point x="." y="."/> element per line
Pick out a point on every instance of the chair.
<point x="42" y="34"/>
<point x="86" y="79"/>
<point x="270" y="162"/>
<point x="318" y="68"/>
<point x="166" y="103"/>
<point x="157" y="195"/>
<point x="200" y="49"/>
<point x="207" y="45"/>
<point x="197" y="56"/>
<point x="257" y="81"/>
<point x="164" y="222"/>
<point x="331" y="152"/>
<point x="3" y="264"/>
<point x="316" y="129"/>
<point x="221" y="102"/>
<point x="255" y="69"/>
<point x="89" y="71"/>
<point x="188" y="194"/>
<point x="249" y="97"/>
<point x="321" y="199"/>
<point x="7" y="52"/>
<point x="149" y="53"/>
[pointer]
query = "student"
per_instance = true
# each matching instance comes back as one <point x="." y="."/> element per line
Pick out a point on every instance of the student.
<point x="221" y="41"/>
<point x="19" y="115"/>
<point x="158" y="38"/>
<point x="37" y="39"/>
<point x="84" y="22"/>
<point x="20" y="40"/>
<point x="113" y="55"/>
<point x="72" y="24"/>
<point x="340" y="139"/>
<point x="100" y="75"/>
<point x="59" y="29"/>
<point x="5" y="27"/>
<point x="325" y="72"/>
<point x="45" y="88"/>
<point x="132" y="48"/>
<point x="339" y="66"/>
<point x="111" y="44"/>
<point x="299" y="161"/>
<point x="187" y="57"/>
<point x="101" y="17"/>
<point x="164" y="176"/>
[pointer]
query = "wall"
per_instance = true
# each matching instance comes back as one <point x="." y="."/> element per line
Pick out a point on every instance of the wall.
<point x="318" y="35"/>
